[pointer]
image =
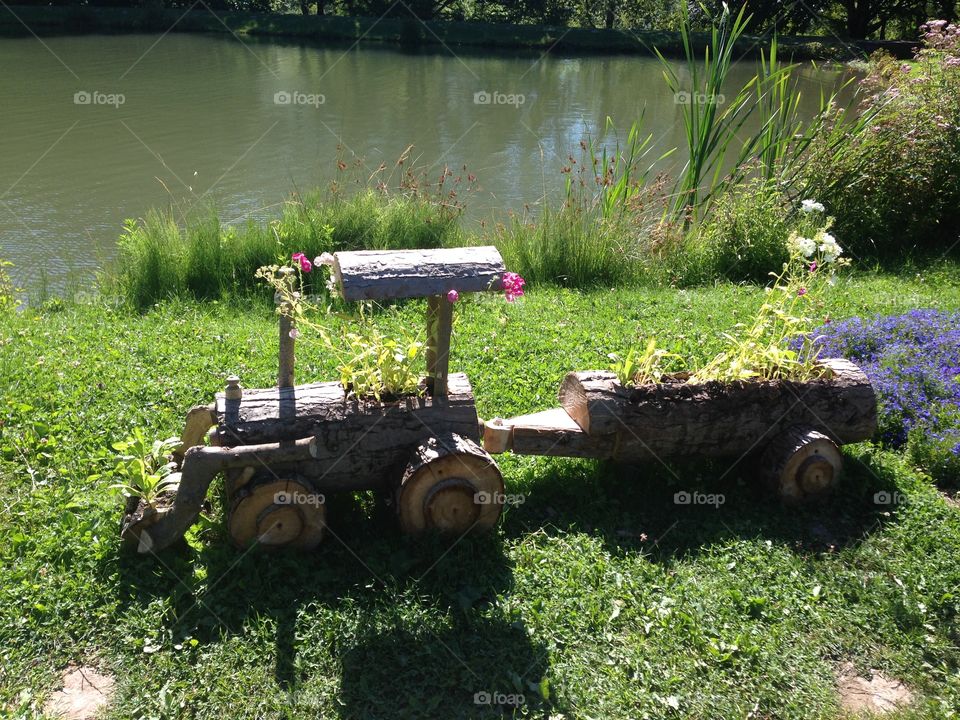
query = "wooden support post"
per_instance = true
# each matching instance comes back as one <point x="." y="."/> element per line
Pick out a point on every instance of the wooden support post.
<point x="286" y="356"/>
<point x="439" y="325"/>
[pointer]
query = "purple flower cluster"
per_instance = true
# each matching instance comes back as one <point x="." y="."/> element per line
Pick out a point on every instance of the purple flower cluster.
<point x="913" y="361"/>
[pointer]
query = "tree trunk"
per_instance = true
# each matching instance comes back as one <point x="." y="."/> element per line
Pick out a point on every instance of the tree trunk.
<point x="858" y="18"/>
<point x="610" y="15"/>
<point x="718" y="419"/>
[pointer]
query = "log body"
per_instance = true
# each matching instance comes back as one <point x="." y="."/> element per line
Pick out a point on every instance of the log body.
<point x="714" y="419"/>
<point x="358" y="444"/>
<point x="388" y="274"/>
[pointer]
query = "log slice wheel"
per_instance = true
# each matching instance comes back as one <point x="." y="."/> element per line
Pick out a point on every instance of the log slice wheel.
<point x="451" y="485"/>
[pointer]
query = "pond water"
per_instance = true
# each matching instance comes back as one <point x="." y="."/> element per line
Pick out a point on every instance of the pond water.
<point x="96" y="129"/>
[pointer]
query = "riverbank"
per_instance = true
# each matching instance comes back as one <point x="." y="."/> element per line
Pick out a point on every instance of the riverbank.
<point x="411" y="32"/>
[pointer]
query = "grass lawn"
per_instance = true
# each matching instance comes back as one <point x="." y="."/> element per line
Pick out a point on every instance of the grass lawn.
<point x="597" y="597"/>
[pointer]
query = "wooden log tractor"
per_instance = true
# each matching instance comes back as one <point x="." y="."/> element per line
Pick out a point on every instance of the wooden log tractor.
<point x="282" y="449"/>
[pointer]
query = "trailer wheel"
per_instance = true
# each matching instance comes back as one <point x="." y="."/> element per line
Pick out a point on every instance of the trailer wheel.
<point x="801" y="465"/>
<point x="450" y="484"/>
<point x="277" y="513"/>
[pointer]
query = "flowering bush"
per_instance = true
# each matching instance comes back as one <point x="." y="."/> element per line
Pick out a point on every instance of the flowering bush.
<point x="913" y="361"/>
<point x="893" y="186"/>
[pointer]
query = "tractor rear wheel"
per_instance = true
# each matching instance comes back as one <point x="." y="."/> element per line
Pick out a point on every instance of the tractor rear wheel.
<point x="450" y="484"/>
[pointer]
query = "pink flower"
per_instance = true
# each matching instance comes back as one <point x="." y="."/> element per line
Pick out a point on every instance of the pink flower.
<point x="813" y="266"/>
<point x="294" y="333"/>
<point x="512" y="286"/>
<point x="453" y="296"/>
<point x="801" y="292"/>
<point x="305" y="264"/>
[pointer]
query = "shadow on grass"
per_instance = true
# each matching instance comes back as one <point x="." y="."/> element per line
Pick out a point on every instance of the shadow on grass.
<point x="429" y="639"/>
<point x="409" y="625"/>
<point x="674" y="511"/>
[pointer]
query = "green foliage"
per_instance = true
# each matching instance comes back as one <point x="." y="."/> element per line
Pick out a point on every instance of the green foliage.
<point x="570" y="247"/>
<point x="893" y="187"/>
<point x="143" y="467"/>
<point x="203" y="259"/>
<point x="708" y="130"/>
<point x="376" y="364"/>
<point x="8" y="293"/>
<point x="369" y="362"/>
<point x="777" y="341"/>
<point x="642" y="367"/>
<point x="743" y="236"/>
<point x="612" y="182"/>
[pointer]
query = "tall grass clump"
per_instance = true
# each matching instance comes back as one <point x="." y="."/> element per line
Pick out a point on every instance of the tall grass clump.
<point x="610" y="227"/>
<point x="151" y="255"/>
<point x="371" y="220"/>
<point x="711" y="120"/>
<point x="161" y="256"/>
<point x="569" y="248"/>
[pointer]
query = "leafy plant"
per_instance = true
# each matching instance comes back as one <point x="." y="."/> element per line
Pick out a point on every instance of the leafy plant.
<point x="778" y="343"/>
<point x="8" y="293"/>
<point x="376" y="364"/>
<point x="640" y="367"/>
<point x="369" y="361"/>
<point x="614" y="178"/>
<point x="708" y="129"/>
<point x="144" y="466"/>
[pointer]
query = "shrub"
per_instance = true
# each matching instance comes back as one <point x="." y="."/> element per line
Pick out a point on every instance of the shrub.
<point x="743" y="237"/>
<point x="893" y="188"/>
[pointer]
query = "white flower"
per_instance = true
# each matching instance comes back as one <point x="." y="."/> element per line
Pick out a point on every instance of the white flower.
<point x="830" y="249"/>
<point x="802" y="245"/>
<point x="294" y="333"/>
<point x="332" y="285"/>
<point x="323" y="259"/>
<point x="809" y="206"/>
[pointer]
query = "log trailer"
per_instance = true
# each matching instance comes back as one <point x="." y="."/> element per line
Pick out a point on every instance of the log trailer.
<point x="281" y="450"/>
